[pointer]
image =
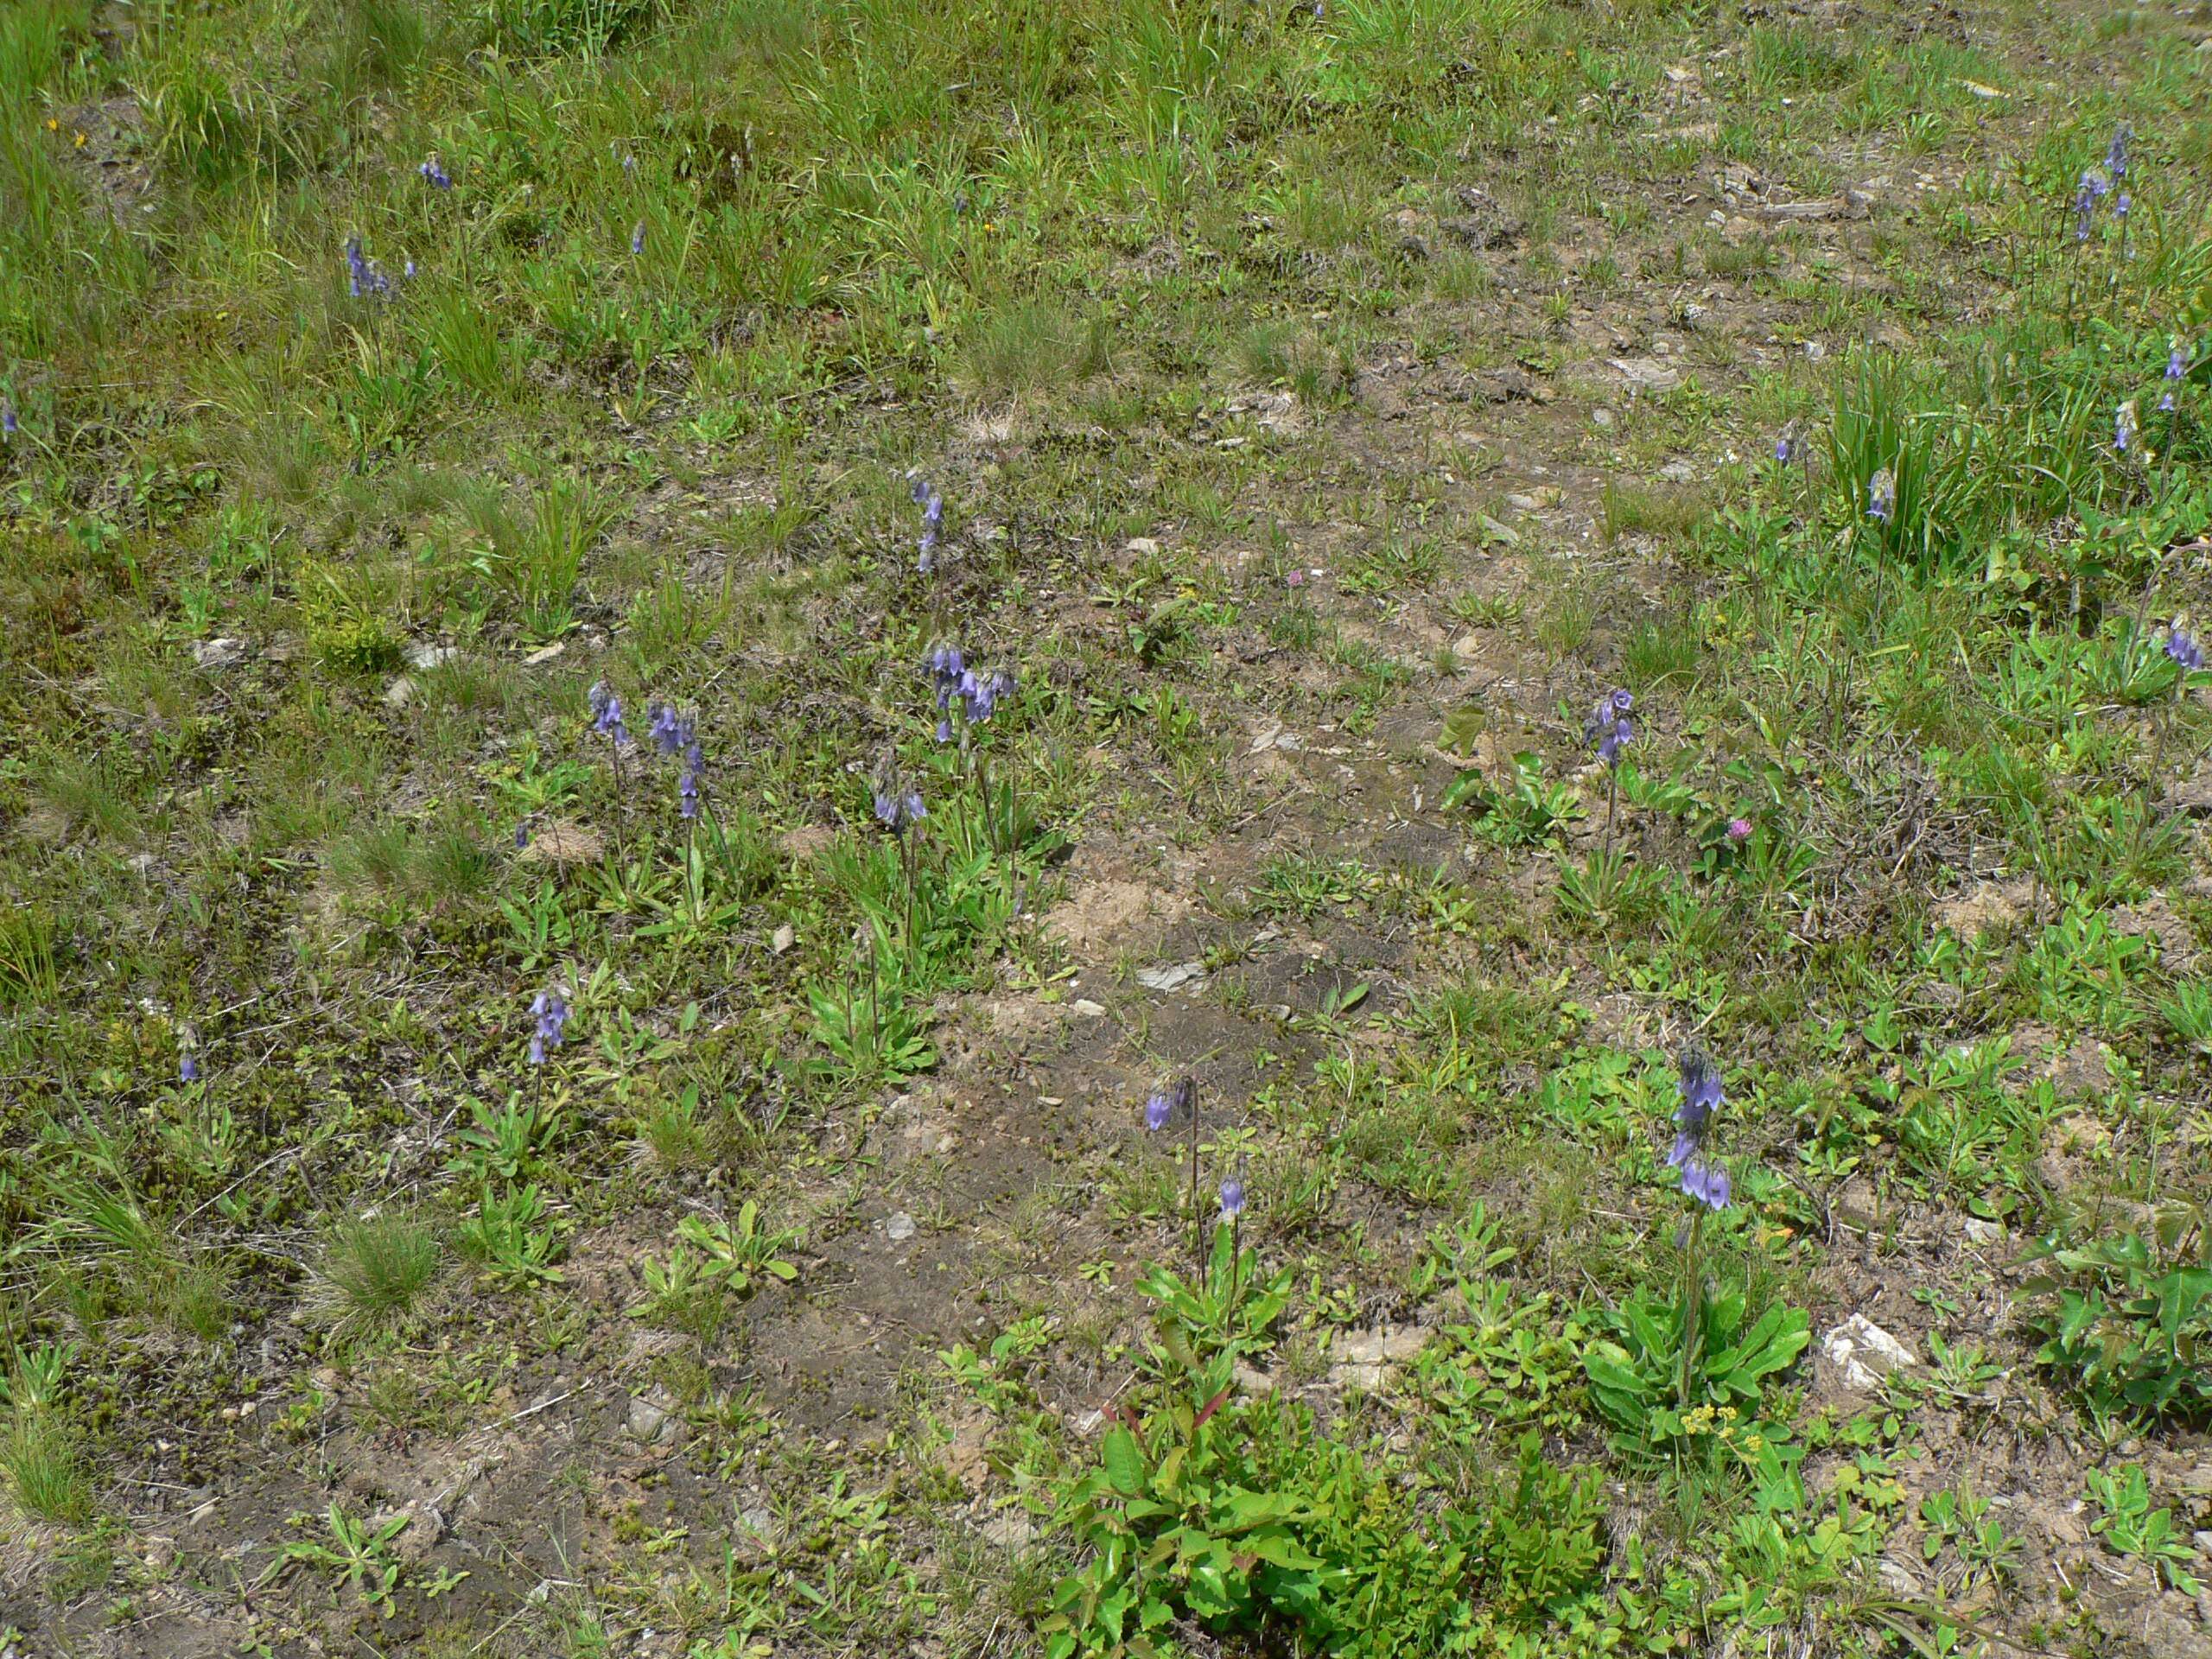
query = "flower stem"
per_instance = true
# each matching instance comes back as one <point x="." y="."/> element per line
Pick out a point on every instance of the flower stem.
<point x="1692" y="1291"/>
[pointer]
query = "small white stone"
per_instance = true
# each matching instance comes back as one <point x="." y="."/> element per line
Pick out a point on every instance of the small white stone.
<point x="782" y="939"/>
<point x="899" y="1228"/>
<point x="1863" y="1353"/>
<point x="217" y="654"/>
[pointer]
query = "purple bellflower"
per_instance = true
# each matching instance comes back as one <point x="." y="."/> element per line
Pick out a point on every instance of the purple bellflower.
<point x="1703" y="1178"/>
<point x="1609" y="726"/>
<point x="2188" y="655"/>
<point x="1882" y="496"/>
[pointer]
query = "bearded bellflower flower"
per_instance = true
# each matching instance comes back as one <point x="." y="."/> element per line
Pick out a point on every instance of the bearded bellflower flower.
<point x="1609" y="726"/>
<point x="365" y="277"/>
<point x="1157" y="1110"/>
<point x="2116" y="157"/>
<point x="606" y="712"/>
<point x="638" y="239"/>
<point x="2091" y="190"/>
<point x="926" y="498"/>
<point x="1882" y="496"/>
<point x="435" y="173"/>
<point x="551" y="1010"/>
<point x="2121" y="203"/>
<point x="9" y="425"/>
<point x="1232" y="1198"/>
<point x="1785" y="446"/>
<point x="187" y="1068"/>
<point x="2185" y="652"/>
<point x="1703" y="1178"/>
<point x="897" y="803"/>
<point x="670" y="735"/>
<point x="2124" y="428"/>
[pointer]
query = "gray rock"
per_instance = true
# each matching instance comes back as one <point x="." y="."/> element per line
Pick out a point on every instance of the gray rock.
<point x="1171" y="978"/>
<point x="1011" y="1530"/>
<point x="899" y="1228"/>
<point x="217" y="654"/>
<point x="651" y="1417"/>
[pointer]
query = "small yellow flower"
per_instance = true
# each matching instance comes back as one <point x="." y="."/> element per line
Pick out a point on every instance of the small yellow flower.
<point x="53" y="124"/>
<point x="78" y="140"/>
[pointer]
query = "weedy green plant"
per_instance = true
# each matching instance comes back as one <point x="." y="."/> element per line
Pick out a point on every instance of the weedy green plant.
<point x="359" y="1552"/>
<point x="1235" y="1514"/>
<point x="509" y="1236"/>
<point x="1527" y="811"/>
<point x="2127" y="1321"/>
<point x="716" y="1262"/>
<point x="2131" y="1527"/>
<point x="1636" y="1377"/>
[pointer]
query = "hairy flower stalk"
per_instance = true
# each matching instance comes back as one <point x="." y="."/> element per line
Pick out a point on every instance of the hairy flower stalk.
<point x="926" y="498"/>
<point x="1232" y="1211"/>
<point x="606" y="720"/>
<point x="967" y="698"/>
<point x="1180" y="1098"/>
<point x="898" y="808"/>
<point x="1609" y="727"/>
<point x="2188" y="658"/>
<point x="1704" y="1179"/>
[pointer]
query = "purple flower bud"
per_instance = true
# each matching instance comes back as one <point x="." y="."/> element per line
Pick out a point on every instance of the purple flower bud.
<point x="522" y="835"/>
<point x="2124" y="427"/>
<point x="2176" y="361"/>
<point x="2166" y="404"/>
<point x="1232" y="1198"/>
<point x="187" y="1068"/>
<point x="2121" y="203"/>
<point x="638" y="239"/>
<point x="2116" y="157"/>
<point x="1783" y="448"/>
<point x="1739" y="830"/>
<point x="9" y="424"/>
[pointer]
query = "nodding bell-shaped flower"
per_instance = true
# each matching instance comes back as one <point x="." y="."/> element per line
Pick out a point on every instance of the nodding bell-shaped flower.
<point x="1882" y="496"/>
<point x="2185" y="652"/>
<point x="1232" y="1198"/>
